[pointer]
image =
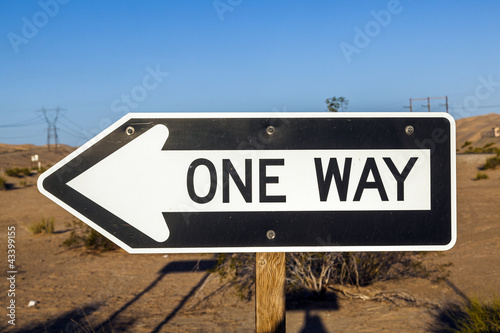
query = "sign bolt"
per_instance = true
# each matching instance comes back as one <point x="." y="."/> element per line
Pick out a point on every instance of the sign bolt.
<point x="271" y="234"/>
<point x="130" y="130"/>
<point x="409" y="130"/>
<point x="270" y="130"/>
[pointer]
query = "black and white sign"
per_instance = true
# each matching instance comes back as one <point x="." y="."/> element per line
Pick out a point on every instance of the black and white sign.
<point x="218" y="182"/>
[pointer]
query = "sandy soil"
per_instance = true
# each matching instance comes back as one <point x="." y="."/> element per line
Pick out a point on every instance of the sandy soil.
<point x="114" y="291"/>
<point x="19" y="156"/>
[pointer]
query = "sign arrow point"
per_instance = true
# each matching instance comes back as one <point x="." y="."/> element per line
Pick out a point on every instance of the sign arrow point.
<point x="120" y="182"/>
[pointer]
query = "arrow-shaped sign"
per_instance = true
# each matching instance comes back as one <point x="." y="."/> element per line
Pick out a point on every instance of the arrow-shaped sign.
<point x="203" y="184"/>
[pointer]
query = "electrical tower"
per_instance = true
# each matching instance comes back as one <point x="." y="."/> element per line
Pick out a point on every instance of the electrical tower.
<point x="428" y="99"/>
<point x="51" y="116"/>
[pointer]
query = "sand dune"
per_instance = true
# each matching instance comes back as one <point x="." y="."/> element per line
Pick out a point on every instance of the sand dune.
<point x="469" y="129"/>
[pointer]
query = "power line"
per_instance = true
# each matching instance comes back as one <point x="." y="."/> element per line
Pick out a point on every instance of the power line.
<point x="24" y="123"/>
<point x="478" y="107"/>
<point x="76" y="131"/>
<point x="70" y="128"/>
<point x="428" y="99"/>
<point x="18" y="137"/>
<point x="72" y="122"/>
<point x="73" y="134"/>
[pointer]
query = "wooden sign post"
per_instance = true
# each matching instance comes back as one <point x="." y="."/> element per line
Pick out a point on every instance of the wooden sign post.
<point x="270" y="292"/>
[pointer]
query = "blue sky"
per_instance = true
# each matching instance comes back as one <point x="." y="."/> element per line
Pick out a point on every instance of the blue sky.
<point x="99" y="59"/>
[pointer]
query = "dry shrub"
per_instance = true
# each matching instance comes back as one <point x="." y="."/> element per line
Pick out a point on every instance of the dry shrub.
<point x="18" y="172"/>
<point x="237" y="270"/>
<point x="492" y="162"/>
<point x="480" y="176"/>
<point x="46" y="226"/>
<point x="83" y="235"/>
<point x="475" y="316"/>
<point x="315" y="272"/>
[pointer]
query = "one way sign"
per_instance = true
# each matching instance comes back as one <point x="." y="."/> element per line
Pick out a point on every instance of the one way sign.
<point x="218" y="182"/>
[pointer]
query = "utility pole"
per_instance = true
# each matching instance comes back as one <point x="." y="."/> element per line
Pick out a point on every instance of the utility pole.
<point x="51" y="116"/>
<point x="446" y="104"/>
<point x="410" y="107"/>
<point x="428" y="99"/>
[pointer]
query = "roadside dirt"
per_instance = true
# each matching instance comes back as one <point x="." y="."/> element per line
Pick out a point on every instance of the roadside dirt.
<point x="79" y="291"/>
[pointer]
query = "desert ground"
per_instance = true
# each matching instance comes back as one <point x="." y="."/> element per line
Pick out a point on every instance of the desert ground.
<point x="76" y="290"/>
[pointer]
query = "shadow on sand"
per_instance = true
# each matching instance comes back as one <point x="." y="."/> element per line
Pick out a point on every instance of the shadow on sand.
<point x="71" y="321"/>
<point x="77" y="320"/>
<point x="309" y="302"/>
<point x="447" y="319"/>
<point x="170" y="268"/>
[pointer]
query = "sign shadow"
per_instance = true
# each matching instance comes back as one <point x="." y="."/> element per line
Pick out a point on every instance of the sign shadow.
<point x="170" y="268"/>
<point x="308" y="302"/>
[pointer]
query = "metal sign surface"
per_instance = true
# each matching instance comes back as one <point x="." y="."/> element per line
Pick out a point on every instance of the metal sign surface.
<point x="262" y="182"/>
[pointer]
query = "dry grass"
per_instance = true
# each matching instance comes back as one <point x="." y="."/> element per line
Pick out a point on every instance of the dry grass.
<point x="83" y="235"/>
<point x="480" y="176"/>
<point x="475" y="317"/>
<point x="46" y="226"/>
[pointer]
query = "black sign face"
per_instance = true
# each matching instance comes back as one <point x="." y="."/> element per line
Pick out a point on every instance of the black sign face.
<point x="260" y="182"/>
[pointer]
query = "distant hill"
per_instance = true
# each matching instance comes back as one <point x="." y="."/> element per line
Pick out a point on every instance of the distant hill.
<point x="19" y="156"/>
<point x="469" y="129"/>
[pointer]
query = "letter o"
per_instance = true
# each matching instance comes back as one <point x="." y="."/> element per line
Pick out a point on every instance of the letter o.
<point x="372" y="32"/>
<point x="43" y="16"/>
<point x="190" y="181"/>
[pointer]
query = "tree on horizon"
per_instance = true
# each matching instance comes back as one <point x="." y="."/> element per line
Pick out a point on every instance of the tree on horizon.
<point x="335" y="103"/>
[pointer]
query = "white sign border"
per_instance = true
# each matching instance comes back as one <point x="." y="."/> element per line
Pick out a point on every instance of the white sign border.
<point x="275" y="115"/>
